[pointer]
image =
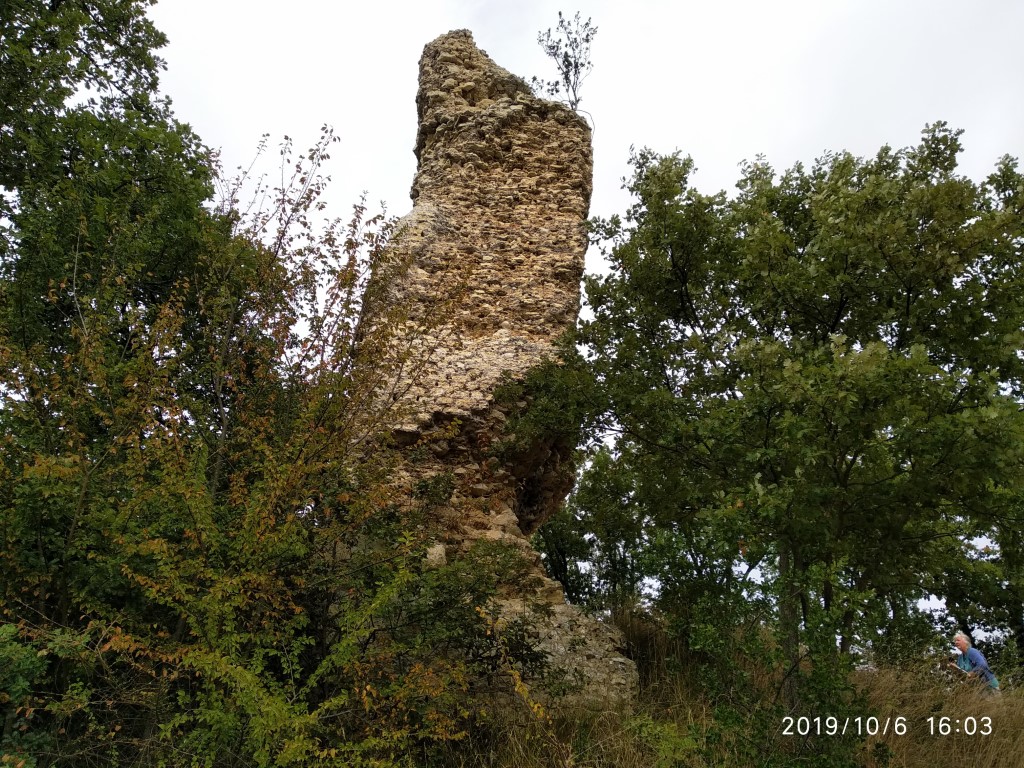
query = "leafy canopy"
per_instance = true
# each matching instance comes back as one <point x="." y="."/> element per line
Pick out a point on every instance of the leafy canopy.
<point x="806" y="400"/>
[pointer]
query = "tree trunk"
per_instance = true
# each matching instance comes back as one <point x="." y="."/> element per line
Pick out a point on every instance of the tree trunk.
<point x="789" y="625"/>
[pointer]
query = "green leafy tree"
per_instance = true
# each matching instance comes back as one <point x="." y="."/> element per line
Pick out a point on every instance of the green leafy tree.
<point x="812" y="395"/>
<point x="53" y="51"/>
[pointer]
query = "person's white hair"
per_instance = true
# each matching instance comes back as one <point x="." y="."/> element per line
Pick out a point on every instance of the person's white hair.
<point x="963" y="635"/>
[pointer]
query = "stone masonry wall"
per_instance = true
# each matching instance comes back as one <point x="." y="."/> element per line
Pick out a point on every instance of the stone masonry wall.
<point x="486" y="270"/>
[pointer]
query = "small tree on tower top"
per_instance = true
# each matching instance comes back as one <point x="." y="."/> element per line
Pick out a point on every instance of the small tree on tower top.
<point x="569" y="47"/>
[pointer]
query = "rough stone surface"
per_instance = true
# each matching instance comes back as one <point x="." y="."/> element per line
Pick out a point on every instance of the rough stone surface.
<point x="486" y="269"/>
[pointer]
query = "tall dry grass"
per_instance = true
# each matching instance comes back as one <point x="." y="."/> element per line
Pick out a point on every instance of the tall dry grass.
<point x="918" y="694"/>
<point x="679" y="730"/>
<point x="676" y="724"/>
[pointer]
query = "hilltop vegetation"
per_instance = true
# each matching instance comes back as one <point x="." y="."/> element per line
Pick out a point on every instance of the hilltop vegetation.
<point x="800" y="413"/>
<point x="199" y="562"/>
<point x="802" y="406"/>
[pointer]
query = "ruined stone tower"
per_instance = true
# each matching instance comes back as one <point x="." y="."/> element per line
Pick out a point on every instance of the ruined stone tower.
<point x="486" y="269"/>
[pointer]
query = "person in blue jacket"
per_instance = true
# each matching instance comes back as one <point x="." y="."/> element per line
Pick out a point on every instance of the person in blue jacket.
<point x="972" y="663"/>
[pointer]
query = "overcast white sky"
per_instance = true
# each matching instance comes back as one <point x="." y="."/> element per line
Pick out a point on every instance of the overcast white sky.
<point x="720" y="80"/>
